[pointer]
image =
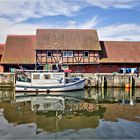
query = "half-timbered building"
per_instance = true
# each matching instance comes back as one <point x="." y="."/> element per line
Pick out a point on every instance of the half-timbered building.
<point x="77" y="48"/>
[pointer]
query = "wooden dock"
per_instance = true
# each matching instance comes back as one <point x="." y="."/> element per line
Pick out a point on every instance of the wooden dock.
<point x="111" y="80"/>
<point x="98" y="80"/>
<point x="7" y="80"/>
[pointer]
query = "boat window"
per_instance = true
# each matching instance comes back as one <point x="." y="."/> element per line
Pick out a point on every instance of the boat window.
<point x="36" y="76"/>
<point x="46" y="76"/>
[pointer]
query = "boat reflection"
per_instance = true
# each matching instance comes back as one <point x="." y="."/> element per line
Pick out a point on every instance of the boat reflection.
<point x="65" y="102"/>
<point x="48" y="103"/>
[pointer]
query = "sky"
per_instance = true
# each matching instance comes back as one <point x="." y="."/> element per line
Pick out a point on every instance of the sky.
<point x="113" y="19"/>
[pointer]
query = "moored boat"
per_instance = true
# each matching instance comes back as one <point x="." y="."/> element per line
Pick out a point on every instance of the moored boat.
<point x="49" y="81"/>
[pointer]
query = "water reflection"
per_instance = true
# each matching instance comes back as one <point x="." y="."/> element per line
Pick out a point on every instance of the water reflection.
<point x="59" y="112"/>
<point x="6" y="94"/>
<point x="114" y="95"/>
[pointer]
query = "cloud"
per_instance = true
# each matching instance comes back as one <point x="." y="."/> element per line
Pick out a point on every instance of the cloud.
<point x="17" y="11"/>
<point x="19" y="28"/>
<point x="84" y="25"/>
<point x="28" y="28"/>
<point x="129" y="32"/>
<point x="120" y="32"/>
<point x="126" y="4"/>
<point x="22" y="10"/>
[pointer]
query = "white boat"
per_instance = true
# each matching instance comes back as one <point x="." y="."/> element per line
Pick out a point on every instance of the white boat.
<point x="49" y="81"/>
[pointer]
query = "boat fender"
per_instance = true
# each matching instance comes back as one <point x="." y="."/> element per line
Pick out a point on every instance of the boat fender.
<point x="47" y="90"/>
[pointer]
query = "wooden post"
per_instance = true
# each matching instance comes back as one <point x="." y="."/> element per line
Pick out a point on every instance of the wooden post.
<point x="103" y="82"/>
<point x="97" y="80"/>
<point x="14" y="80"/>
<point x="103" y="92"/>
<point x="131" y="81"/>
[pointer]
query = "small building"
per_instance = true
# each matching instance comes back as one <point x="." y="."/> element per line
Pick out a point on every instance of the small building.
<point x="116" y="55"/>
<point x="19" y="52"/>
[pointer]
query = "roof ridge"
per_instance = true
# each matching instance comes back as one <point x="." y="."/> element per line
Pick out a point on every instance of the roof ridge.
<point x="10" y="35"/>
<point x="121" y="41"/>
<point x="68" y="29"/>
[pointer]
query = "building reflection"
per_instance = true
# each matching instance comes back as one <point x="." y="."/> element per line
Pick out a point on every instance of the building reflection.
<point x="77" y="110"/>
<point x="119" y="103"/>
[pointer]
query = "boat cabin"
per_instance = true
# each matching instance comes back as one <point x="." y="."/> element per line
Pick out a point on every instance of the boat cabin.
<point x="48" y="78"/>
<point x="41" y="77"/>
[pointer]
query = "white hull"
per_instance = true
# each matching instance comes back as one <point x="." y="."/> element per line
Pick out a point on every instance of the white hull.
<point x="24" y="86"/>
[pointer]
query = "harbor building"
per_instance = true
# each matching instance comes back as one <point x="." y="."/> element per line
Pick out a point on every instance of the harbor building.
<point x="119" y="56"/>
<point x="78" y="49"/>
<point x="19" y="51"/>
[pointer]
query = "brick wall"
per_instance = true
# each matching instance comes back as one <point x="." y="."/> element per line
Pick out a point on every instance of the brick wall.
<point x="101" y="68"/>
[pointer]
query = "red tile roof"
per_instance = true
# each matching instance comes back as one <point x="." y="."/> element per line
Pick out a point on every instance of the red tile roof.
<point x="120" y="52"/>
<point x="1" y="48"/>
<point x="19" y="49"/>
<point x="67" y="39"/>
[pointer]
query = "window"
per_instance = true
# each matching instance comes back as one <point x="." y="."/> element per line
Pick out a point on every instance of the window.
<point x="36" y="76"/>
<point x="70" y="53"/>
<point x="86" y="53"/>
<point x="67" y="53"/>
<point x="46" y="76"/>
<point x="49" y="53"/>
<point x="54" y="67"/>
<point x="47" y="105"/>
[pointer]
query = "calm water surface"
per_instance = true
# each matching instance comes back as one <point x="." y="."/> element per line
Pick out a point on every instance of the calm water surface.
<point x="89" y="114"/>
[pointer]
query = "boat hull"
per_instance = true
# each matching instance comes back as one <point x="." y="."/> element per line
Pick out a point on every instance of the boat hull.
<point x="78" y="85"/>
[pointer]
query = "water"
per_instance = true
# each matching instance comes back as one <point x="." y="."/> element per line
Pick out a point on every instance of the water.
<point x="89" y="114"/>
